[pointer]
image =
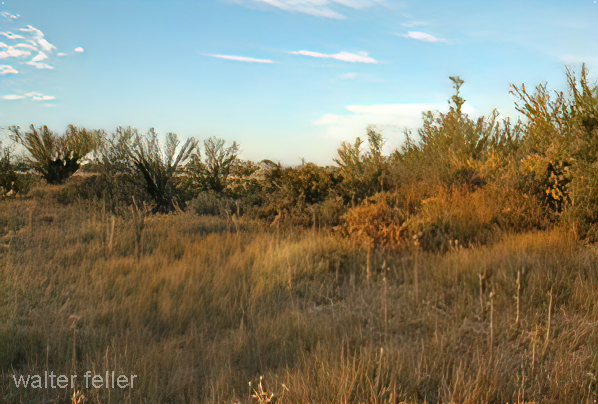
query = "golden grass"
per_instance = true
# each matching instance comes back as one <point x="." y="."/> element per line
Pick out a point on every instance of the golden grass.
<point x="205" y="309"/>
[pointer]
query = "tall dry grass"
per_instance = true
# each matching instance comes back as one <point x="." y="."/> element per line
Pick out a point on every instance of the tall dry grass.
<point x="208" y="307"/>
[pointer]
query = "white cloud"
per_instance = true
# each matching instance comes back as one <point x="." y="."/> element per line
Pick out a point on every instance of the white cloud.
<point x="350" y="75"/>
<point x="26" y="46"/>
<point x="6" y="69"/>
<point x="39" y="57"/>
<point x="320" y="8"/>
<point x="422" y="36"/>
<point x="62" y="54"/>
<point x="8" y="15"/>
<point x="410" y="24"/>
<point x="39" y="65"/>
<point x="10" y="35"/>
<point x="394" y="117"/>
<point x="11" y="52"/>
<point x="361" y="57"/>
<point x="3" y="45"/>
<point x="79" y="49"/>
<point x="36" y="32"/>
<point x="13" y="97"/>
<point x="47" y="46"/>
<point x="38" y="37"/>
<point x="43" y="98"/>
<point x="33" y="96"/>
<point x="241" y="58"/>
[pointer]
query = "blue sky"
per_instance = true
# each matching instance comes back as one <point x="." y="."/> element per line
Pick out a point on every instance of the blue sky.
<point x="284" y="78"/>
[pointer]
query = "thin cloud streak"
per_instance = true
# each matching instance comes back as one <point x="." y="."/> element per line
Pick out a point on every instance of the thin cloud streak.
<point x="39" y="65"/>
<point x="348" y="76"/>
<point x="10" y="35"/>
<point x="26" y="46"/>
<point x="240" y="58"/>
<point x="318" y="8"/>
<point x="13" y="97"/>
<point x="32" y="96"/>
<point x="422" y="36"/>
<point x="361" y="57"/>
<point x="9" y="16"/>
<point x="411" y="24"/>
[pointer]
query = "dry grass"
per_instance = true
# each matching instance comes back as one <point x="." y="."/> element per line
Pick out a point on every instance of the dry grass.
<point x="204" y="309"/>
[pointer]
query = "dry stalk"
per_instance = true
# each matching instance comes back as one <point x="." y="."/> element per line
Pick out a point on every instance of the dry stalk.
<point x="518" y="296"/>
<point x="548" y="325"/>
<point x="482" y="279"/>
<point x="110" y="235"/>
<point x="139" y="224"/>
<point x="368" y="263"/>
<point x="491" y="324"/>
<point x="415" y="270"/>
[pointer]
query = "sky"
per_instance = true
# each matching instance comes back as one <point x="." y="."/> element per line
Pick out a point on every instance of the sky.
<point x="286" y="79"/>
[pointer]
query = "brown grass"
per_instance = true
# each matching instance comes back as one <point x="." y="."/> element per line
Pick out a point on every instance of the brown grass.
<point x="204" y="309"/>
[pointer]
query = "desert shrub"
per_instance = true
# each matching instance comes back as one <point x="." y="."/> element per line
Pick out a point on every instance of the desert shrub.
<point x="214" y="170"/>
<point x="296" y="192"/>
<point x="363" y="172"/>
<point x="330" y="211"/>
<point x="452" y="149"/>
<point x="56" y="157"/>
<point x="376" y="223"/>
<point x="245" y="184"/>
<point x="562" y="145"/>
<point x="134" y="164"/>
<point x="13" y="176"/>
<point x="212" y="203"/>
<point x="405" y="219"/>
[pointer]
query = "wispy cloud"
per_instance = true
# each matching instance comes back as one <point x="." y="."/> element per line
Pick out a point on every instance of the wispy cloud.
<point x="410" y="24"/>
<point x="62" y="54"/>
<point x="79" y="49"/>
<point x="40" y="65"/>
<point x="36" y="61"/>
<point x="26" y="46"/>
<point x="422" y="36"/>
<point x="361" y="57"/>
<point x="9" y="16"/>
<point x="350" y="75"/>
<point x="241" y="58"/>
<point x="6" y="69"/>
<point x="38" y="37"/>
<point x="11" y="52"/>
<point x="13" y="97"/>
<point x="40" y="97"/>
<point x="32" y="96"/>
<point x="10" y="35"/>
<point x="320" y="8"/>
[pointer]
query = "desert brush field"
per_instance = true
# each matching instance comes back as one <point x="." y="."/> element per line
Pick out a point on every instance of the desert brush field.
<point x="459" y="268"/>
